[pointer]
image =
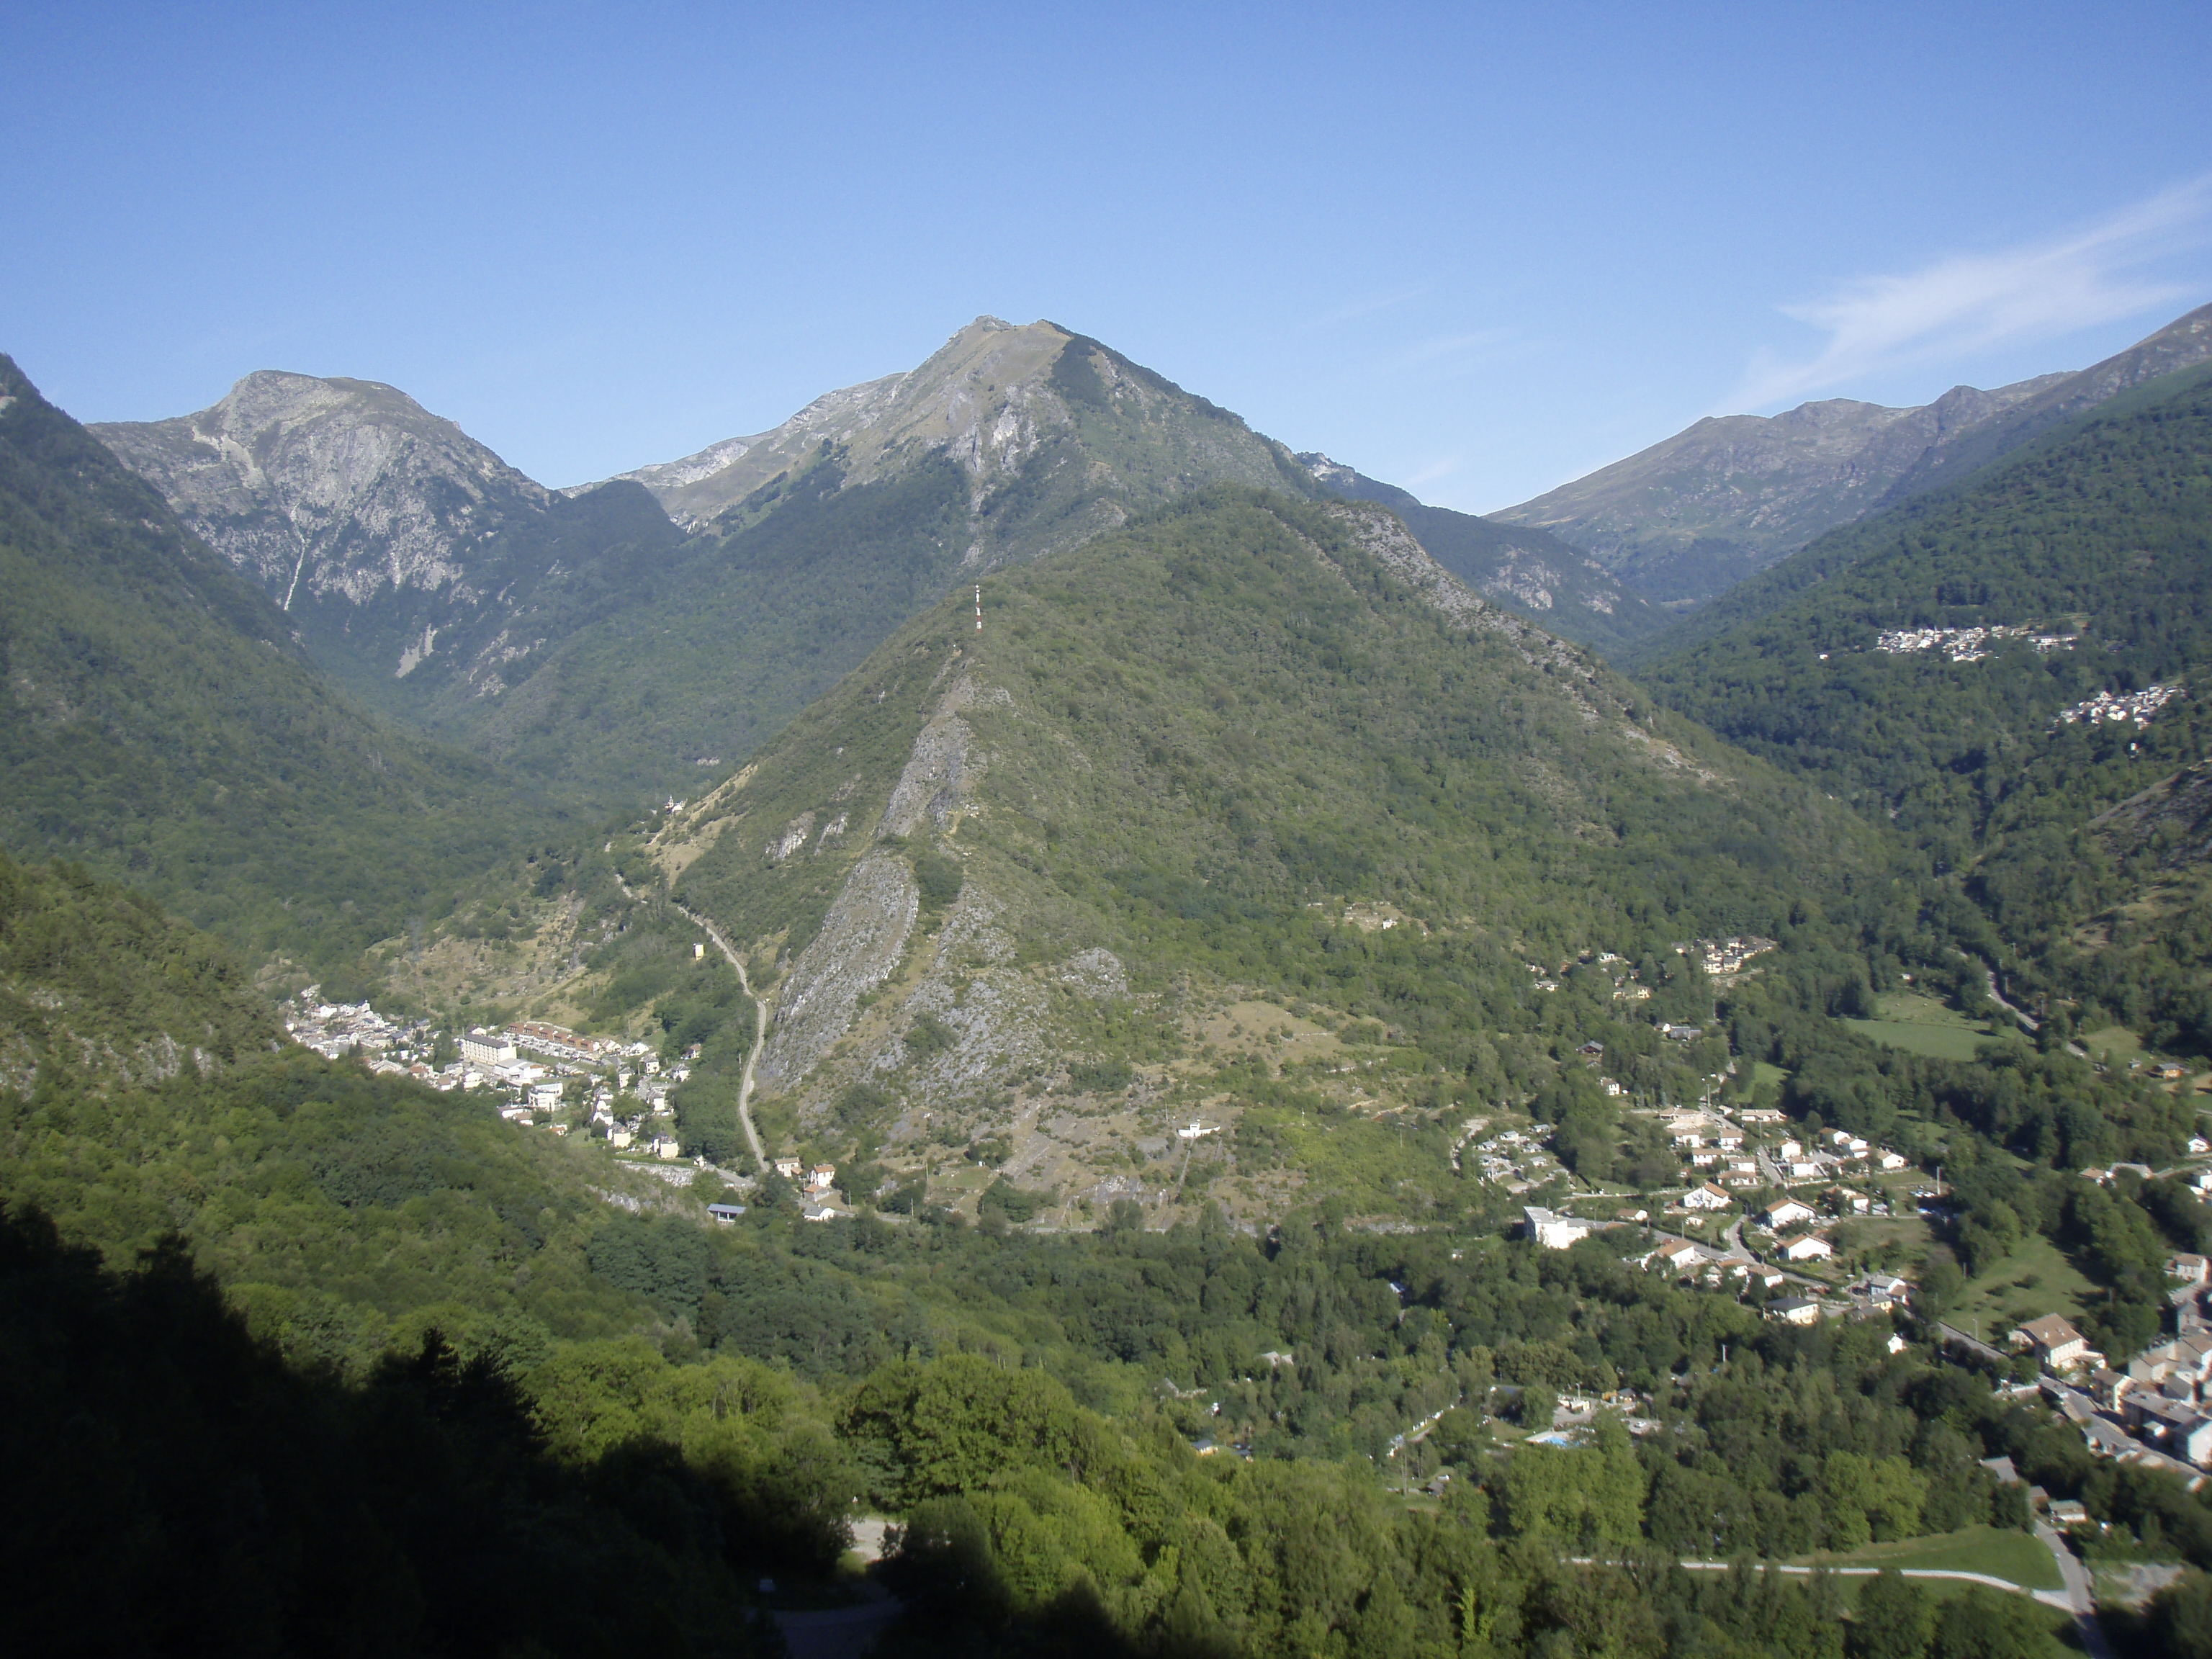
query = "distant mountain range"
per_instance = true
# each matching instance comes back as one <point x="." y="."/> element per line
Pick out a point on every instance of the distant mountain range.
<point x="613" y="639"/>
<point x="1688" y="519"/>
<point x="1531" y="571"/>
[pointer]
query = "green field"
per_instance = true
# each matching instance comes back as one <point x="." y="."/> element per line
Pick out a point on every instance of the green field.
<point x="1911" y="1008"/>
<point x="1922" y="1025"/>
<point x="1933" y="1042"/>
<point x="2113" y="1043"/>
<point x="2012" y="1556"/>
<point x="2000" y="1298"/>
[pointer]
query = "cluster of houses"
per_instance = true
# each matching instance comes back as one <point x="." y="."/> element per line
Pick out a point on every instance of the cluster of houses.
<point x="1719" y="956"/>
<point x="1966" y="644"/>
<point x="335" y="1030"/>
<point x="817" y="1187"/>
<point x="1790" y="1222"/>
<point x="1732" y="1266"/>
<point x="1625" y="986"/>
<point x="2161" y="1405"/>
<point x="558" y="1043"/>
<point x="536" y="1090"/>
<point x="1722" y="1152"/>
<point x="1516" y="1159"/>
<point x="2137" y="706"/>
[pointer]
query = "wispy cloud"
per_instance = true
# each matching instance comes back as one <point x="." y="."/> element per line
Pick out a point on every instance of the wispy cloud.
<point x="1435" y="471"/>
<point x="1968" y="302"/>
<point x="1352" y="310"/>
<point x="1444" y="347"/>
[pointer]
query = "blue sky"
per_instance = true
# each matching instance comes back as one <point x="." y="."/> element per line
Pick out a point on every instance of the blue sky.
<point x="1476" y="251"/>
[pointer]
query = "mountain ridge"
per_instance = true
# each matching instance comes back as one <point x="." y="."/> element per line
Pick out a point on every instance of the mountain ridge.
<point x="1531" y="570"/>
<point x="993" y="879"/>
<point x="1690" y="516"/>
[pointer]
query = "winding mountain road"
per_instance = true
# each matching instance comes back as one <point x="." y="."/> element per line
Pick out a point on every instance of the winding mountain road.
<point x="760" y="1033"/>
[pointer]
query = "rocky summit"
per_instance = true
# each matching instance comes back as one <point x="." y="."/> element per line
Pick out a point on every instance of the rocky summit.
<point x="328" y="489"/>
<point x="1057" y="435"/>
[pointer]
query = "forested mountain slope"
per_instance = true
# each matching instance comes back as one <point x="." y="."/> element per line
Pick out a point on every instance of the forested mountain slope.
<point x="1688" y="519"/>
<point x="1244" y="741"/>
<point x="166" y="726"/>
<point x="2096" y="544"/>
<point x="565" y="1408"/>
<point x="1560" y="587"/>
<point x="416" y="1305"/>
<point x="421" y="571"/>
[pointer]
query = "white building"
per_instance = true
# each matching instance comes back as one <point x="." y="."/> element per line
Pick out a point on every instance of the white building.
<point x="1676" y="1255"/>
<point x="1554" y="1232"/>
<point x="1707" y="1197"/>
<point x="1808" y="1247"/>
<point x="482" y="1047"/>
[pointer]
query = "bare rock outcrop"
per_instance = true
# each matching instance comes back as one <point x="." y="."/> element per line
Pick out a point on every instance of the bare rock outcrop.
<point x="945" y="767"/>
<point x="859" y="945"/>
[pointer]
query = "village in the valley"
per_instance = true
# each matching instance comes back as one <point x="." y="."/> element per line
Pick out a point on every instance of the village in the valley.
<point x="1966" y="644"/>
<point x="1782" y="1215"/>
<point x="544" y="1077"/>
<point x="1786" y="1217"/>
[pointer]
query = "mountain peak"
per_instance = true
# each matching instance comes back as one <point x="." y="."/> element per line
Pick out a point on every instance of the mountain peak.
<point x="952" y="401"/>
<point x="288" y="471"/>
<point x="994" y="398"/>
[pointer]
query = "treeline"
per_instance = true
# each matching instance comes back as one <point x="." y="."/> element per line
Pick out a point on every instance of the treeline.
<point x="205" y="1496"/>
<point x="172" y="1486"/>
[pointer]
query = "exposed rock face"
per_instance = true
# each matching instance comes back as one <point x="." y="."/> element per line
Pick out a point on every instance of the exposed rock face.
<point x="1381" y="534"/>
<point x="419" y="568"/>
<point x="1690" y="517"/>
<point x="997" y="1014"/>
<point x="1096" y="972"/>
<point x="941" y="771"/>
<point x="328" y="487"/>
<point x="1093" y="435"/>
<point x="858" y="946"/>
<point x="1521" y="568"/>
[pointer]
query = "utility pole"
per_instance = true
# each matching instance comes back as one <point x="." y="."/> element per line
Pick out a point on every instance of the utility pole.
<point x="979" y="607"/>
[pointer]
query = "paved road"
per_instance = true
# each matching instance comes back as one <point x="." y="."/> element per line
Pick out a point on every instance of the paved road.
<point x="760" y="1030"/>
<point x="760" y="1024"/>
<point x="2027" y="1022"/>
<point x="2057" y="1598"/>
<point x="2080" y="1594"/>
<point x="848" y="1632"/>
<point x="1995" y="1356"/>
